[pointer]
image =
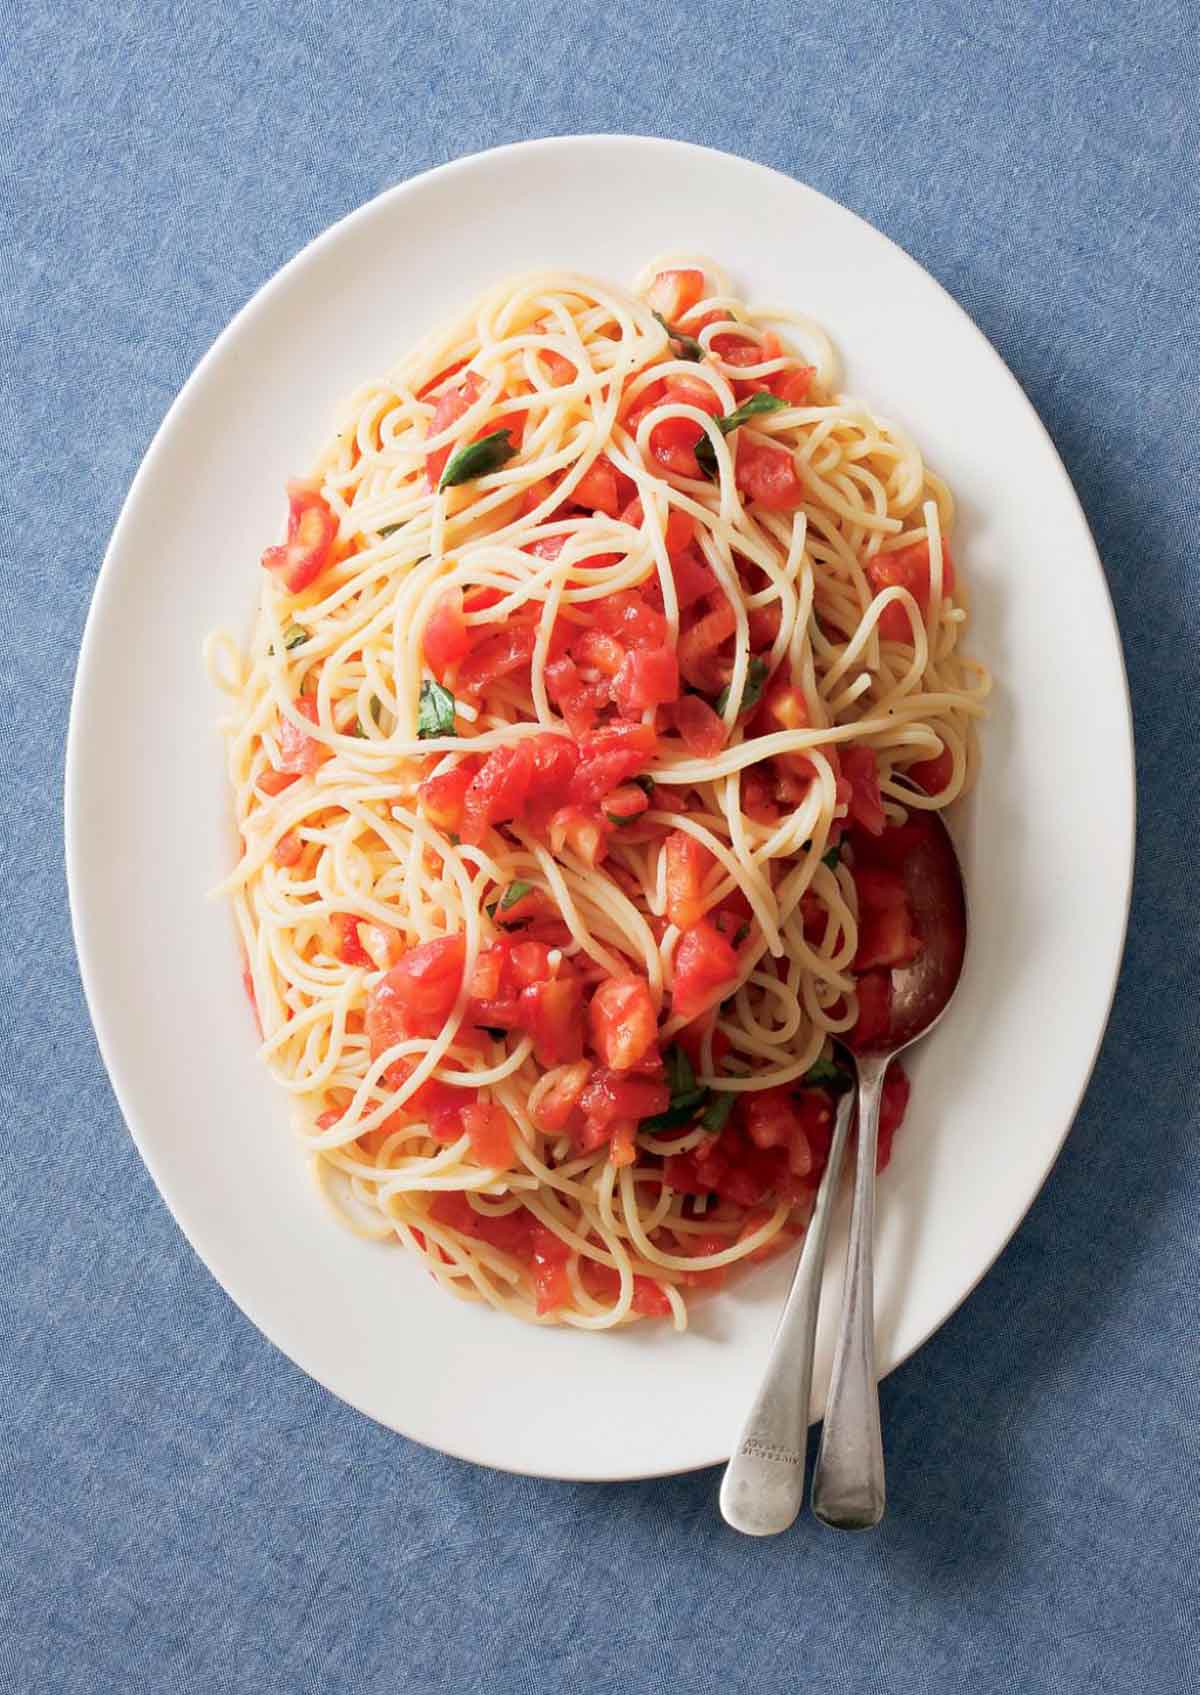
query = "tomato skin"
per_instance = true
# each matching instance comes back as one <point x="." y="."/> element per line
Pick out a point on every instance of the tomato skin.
<point x="862" y="773"/>
<point x="646" y="679"/>
<point x="892" y="1108"/>
<point x="449" y="408"/>
<point x="768" y="475"/>
<point x="308" y="549"/>
<point x="908" y="568"/>
<point x="649" y="1298"/>
<point x="608" y="757"/>
<point x="933" y="775"/>
<point x="442" y="797"/>
<point x="446" y="639"/>
<point x="552" y="1012"/>
<point x="597" y="489"/>
<point x="688" y="864"/>
<point x="874" y="1008"/>
<point x="299" y="753"/>
<point x="489" y="1131"/>
<point x="705" y="967"/>
<point x="560" y="1100"/>
<point x="498" y="791"/>
<point x="349" y="949"/>
<point x="672" y="293"/>
<point x="622" y="1021"/>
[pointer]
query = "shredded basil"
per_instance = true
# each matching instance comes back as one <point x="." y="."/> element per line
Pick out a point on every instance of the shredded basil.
<point x="646" y="784"/>
<point x="477" y="459"/>
<point x="716" y="1114"/>
<point x="740" y="934"/>
<point x="435" y="711"/>
<point x="388" y="530"/>
<point x="686" y="1095"/>
<point x="832" y="856"/>
<point x="515" y="892"/>
<point x="823" y="1072"/>
<point x="689" y="347"/>
<point x="756" y="675"/>
<point x="294" y="635"/>
<point x="752" y="408"/>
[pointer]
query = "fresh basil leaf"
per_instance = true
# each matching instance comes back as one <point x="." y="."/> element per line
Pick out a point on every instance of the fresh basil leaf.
<point x="294" y="635"/>
<point x="740" y="934"/>
<point x="515" y="892"/>
<point x="646" y="784"/>
<point x="681" y="1079"/>
<point x="360" y="729"/>
<point x="681" y="1113"/>
<point x="689" y="347"/>
<point x="825" y="1071"/>
<point x="716" y="1114"/>
<point x="477" y="459"/>
<point x="752" y="408"/>
<point x="756" y="676"/>
<point x="388" y="530"/>
<point x="435" y="711"/>
<point x="832" y="856"/>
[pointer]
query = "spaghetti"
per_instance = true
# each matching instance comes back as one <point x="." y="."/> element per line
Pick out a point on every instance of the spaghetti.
<point x="610" y="654"/>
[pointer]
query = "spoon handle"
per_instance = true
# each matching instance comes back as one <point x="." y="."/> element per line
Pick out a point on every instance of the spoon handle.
<point x="848" y="1485"/>
<point x="763" y="1487"/>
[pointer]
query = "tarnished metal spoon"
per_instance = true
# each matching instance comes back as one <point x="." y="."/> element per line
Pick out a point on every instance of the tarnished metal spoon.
<point x="763" y="1487"/>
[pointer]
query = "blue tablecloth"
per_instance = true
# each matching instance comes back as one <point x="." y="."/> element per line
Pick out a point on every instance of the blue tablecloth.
<point x="182" y="1510"/>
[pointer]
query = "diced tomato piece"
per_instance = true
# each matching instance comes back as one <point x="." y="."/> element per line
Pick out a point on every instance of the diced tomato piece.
<point x="874" y="1008"/>
<point x="596" y="651"/>
<point x="705" y="969"/>
<point x="555" y="1107"/>
<point x="551" y="1284"/>
<point x="631" y="620"/>
<point x="647" y="678"/>
<point x="498" y="791"/>
<point x="691" y="1039"/>
<point x="625" y="803"/>
<point x="442" y="797"/>
<point x="764" y="622"/>
<point x="490" y="973"/>
<point x="694" y="578"/>
<point x="862" y="773"/>
<point x="597" y="489"/>
<point x="768" y="475"/>
<point x="298" y="752"/>
<point x="449" y="408"/>
<point x="382" y="945"/>
<point x="288" y="849"/>
<point x="794" y="386"/>
<point x="489" y="1130"/>
<point x="511" y="649"/>
<point x="688" y="864"/>
<point x="892" y="1107"/>
<point x="547" y="547"/>
<point x="785" y="708"/>
<point x="650" y="1299"/>
<point x="608" y="757"/>
<point x="273" y="782"/>
<point x="446" y="639"/>
<point x="933" y="775"/>
<point x="703" y="732"/>
<point x="681" y="527"/>
<point x="552" y="1012"/>
<point x="439" y="1105"/>
<point x="578" y="701"/>
<point x="308" y="549"/>
<point x="529" y="962"/>
<point x="417" y="995"/>
<point x="672" y="293"/>
<point x="554" y="762"/>
<point x="582" y="830"/>
<point x="559" y="367"/>
<point x="906" y="568"/>
<point x="350" y="950"/>
<point x="699" y="644"/>
<point x="622" y="1021"/>
<point x="673" y="443"/>
<point x="886" y="935"/>
<point x="612" y="1095"/>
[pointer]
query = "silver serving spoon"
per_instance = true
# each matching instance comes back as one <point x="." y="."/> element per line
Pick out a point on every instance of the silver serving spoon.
<point x="763" y="1487"/>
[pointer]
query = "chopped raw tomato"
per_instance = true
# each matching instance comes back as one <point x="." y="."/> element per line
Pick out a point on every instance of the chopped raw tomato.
<point x="892" y="1108"/>
<point x="298" y="752"/>
<point x="548" y="1260"/>
<point x="886" y="936"/>
<point x="511" y="1232"/>
<point x="703" y="732"/>
<point x="440" y="1105"/>
<point x="446" y="639"/>
<point x="874" y="1008"/>
<point x="608" y="757"/>
<point x="528" y="962"/>
<point x="597" y="489"/>
<point x="768" y="475"/>
<point x="622" y="1021"/>
<point x="673" y="443"/>
<point x="672" y="293"/>
<point x="560" y="368"/>
<point x="547" y="547"/>
<point x="691" y="1040"/>
<point x="382" y="945"/>
<point x="596" y="651"/>
<point x="577" y="700"/>
<point x="705" y="968"/>
<point x="650" y="1298"/>
<point x="555" y="1107"/>
<point x="288" y="849"/>
<point x="498" y="791"/>
<point x="933" y="775"/>
<point x="442" y="797"/>
<point x="906" y="568"/>
<point x="794" y="386"/>
<point x="628" y="618"/>
<point x="350" y="950"/>
<point x="511" y="649"/>
<point x="646" y="678"/>
<point x="554" y="762"/>
<point x="310" y="535"/>
<point x="273" y="782"/>
<point x="489" y="1131"/>
<point x="552" y="1012"/>
<point x="764" y="622"/>
<point x="625" y="803"/>
<point x="688" y="863"/>
<point x="612" y="1095"/>
<point x="681" y="527"/>
<point x="449" y="409"/>
<point x="583" y="830"/>
<point x="694" y="578"/>
<point x="862" y="773"/>
<point x="785" y="708"/>
<point x="699" y="644"/>
<point x="417" y="995"/>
